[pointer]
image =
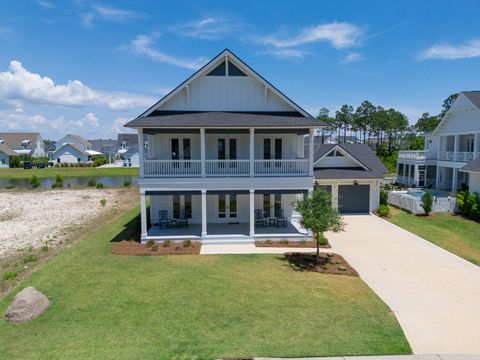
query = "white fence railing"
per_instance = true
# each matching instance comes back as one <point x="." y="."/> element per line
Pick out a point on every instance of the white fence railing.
<point x="403" y="200"/>
<point x="227" y="167"/>
<point x="154" y="168"/>
<point x="447" y="155"/>
<point x="412" y="154"/>
<point x="464" y="156"/>
<point x="281" y="167"/>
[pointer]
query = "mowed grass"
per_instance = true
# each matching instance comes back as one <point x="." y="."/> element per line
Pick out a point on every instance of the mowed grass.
<point x="453" y="233"/>
<point x="194" y="307"/>
<point x="67" y="172"/>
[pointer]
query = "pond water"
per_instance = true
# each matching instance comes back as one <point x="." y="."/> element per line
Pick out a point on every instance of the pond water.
<point x="46" y="183"/>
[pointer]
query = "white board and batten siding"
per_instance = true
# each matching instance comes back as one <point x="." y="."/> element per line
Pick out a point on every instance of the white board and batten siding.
<point x="463" y="117"/>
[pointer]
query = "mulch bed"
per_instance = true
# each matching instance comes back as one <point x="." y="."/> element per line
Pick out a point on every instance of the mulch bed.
<point x="134" y="248"/>
<point x="329" y="263"/>
<point x="290" y="244"/>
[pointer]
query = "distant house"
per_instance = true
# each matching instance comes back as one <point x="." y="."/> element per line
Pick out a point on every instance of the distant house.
<point x="107" y="147"/>
<point x="473" y="171"/>
<point x="125" y="141"/>
<point x="335" y="139"/>
<point x="30" y="144"/>
<point x="131" y="157"/>
<point x="73" y="149"/>
<point x="5" y="154"/>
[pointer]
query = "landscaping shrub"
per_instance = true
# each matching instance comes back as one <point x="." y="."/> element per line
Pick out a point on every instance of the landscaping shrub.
<point x="127" y="183"/>
<point x="322" y="240"/>
<point x="14" y="162"/>
<point x="383" y="211"/>
<point x="303" y="242"/>
<point x="29" y="259"/>
<point x="150" y="243"/>
<point x="92" y="183"/>
<point x="44" y="248"/>
<point x="154" y="247"/>
<point x="103" y="202"/>
<point x="468" y="205"/>
<point x="98" y="161"/>
<point x="58" y="182"/>
<point x="383" y="197"/>
<point x="187" y="243"/>
<point x="34" y="181"/>
<point x="284" y="242"/>
<point x="100" y="185"/>
<point x="167" y="243"/>
<point x="427" y="202"/>
<point x="268" y="242"/>
<point x="9" y="275"/>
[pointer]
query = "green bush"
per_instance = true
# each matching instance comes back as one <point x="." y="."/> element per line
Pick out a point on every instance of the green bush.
<point x="14" y="162"/>
<point x="468" y="205"/>
<point x="167" y="243"/>
<point x="427" y="202"/>
<point x="187" y="243"/>
<point x="98" y="161"/>
<point x="303" y="242"/>
<point x="284" y="242"/>
<point x="100" y="185"/>
<point x="44" y="248"/>
<point x="58" y="182"/>
<point x="322" y="240"/>
<point x="154" y="247"/>
<point x="9" y="275"/>
<point x="268" y="242"/>
<point x="103" y="202"/>
<point x="92" y="183"/>
<point x="34" y="181"/>
<point x="127" y="183"/>
<point x="383" y="210"/>
<point x="29" y="259"/>
<point x="383" y="197"/>
<point x="150" y="243"/>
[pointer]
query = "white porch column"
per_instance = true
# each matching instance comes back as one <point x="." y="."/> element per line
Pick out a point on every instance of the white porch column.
<point x="140" y="152"/>
<point x="204" y="213"/>
<point x="335" y="195"/>
<point x="202" y="151"/>
<point x="415" y="174"/>
<point x="456" y="144"/>
<point x="437" y="177"/>
<point x="454" y="180"/>
<point x="143" y="215"/>
<point x="252" y="152"/>
<point x="476" y="146"/>
<point x="310" y="151"/>
<point x="252" y="213"/>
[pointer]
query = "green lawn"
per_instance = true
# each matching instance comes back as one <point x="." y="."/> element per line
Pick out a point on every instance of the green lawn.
<point x="67" y="172"/>
<point x="113" y="307"/>
<point x="453" y="233"/>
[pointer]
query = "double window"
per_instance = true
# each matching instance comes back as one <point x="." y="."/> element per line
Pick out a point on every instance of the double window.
<point x="182" y="202"/>
<point x="272" y="205"/>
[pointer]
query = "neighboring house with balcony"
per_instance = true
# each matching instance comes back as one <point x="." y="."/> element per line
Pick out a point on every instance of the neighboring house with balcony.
<point x="107" y="147"/>
<point x="448" y="149"/>
<point x="5" y="154"/>
<point x="226" y="158"/>
<point x="29" y="144"/>
<point x="73" y="149"/>
<point x="131" y="158"/>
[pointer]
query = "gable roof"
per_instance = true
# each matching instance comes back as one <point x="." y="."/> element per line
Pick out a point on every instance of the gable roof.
<point x="6" y="150"/>
<point x="226" y="54"/>
<point x="473" y="166"/>
<point x="130" y="138"/>
<point x="472" y="96"/>
<point x="79" y="139"/>
<point x="223" y="119"/>
<point x="14" y="139"/>
<point x="372" y="168"/>
<point x="74" y="146"/>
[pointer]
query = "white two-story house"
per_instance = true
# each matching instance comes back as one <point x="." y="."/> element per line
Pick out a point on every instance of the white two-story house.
<point x="72" y="149"/>
<point x="226" y="158"/>
<point x="450" y="147"/>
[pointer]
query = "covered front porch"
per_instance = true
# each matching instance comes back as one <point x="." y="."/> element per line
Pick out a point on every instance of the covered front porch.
<point x="214" y="216"/>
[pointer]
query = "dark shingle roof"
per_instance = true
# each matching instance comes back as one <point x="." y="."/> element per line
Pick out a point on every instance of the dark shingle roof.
<point x="473" y="166"/>
<point x="129" y="139"/>
<point x="473" y="96"/>
<point x="6" y="150"/>
<point x="223" y="119"/>
<point x="361" y="152"/>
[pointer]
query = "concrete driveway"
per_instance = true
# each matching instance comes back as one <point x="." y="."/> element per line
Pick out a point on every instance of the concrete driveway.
<point x="435" y="295"/>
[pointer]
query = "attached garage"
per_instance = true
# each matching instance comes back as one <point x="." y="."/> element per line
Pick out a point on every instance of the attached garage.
<point x="354" y="199"/>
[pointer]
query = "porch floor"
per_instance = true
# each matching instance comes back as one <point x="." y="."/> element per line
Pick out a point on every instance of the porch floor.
<point x="216" y="230"/>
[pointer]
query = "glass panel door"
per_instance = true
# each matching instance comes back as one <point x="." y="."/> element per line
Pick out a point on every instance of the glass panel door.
<point x="232" y="211"/>
<point x="222" y="208"/>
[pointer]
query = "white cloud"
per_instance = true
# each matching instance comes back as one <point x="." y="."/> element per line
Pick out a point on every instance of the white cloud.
<point x="87" y="19"/>
<point x="45" y="4"/>
<point x="106" y="13"/>
<point x="338" y="34"/>
<point x="18" y="83"/>
<point x="469" y="49"/>
<point x="352" y="57"/>
<point x="287" y="53"/>
<point x="142" y="46"/>
<point x="117" y="126"/>
<point x="208" y="28"/>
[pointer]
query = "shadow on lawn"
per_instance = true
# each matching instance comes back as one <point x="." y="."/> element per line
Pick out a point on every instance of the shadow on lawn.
<point x="131" y="231"/>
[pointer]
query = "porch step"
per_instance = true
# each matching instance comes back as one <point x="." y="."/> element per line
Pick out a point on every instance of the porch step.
<point x="228" y="239"/>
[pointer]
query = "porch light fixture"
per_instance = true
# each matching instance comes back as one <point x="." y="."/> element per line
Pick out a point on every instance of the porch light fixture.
<point x="355" y="182"/>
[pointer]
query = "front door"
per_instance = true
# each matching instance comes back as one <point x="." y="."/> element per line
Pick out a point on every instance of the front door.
<point x="225" y="152"/>
<point x="227" y="208"/>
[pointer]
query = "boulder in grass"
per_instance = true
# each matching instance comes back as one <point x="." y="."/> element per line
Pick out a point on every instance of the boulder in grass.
<point x="27" y="305"/>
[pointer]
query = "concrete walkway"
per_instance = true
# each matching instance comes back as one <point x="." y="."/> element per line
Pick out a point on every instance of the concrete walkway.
<point x="385" y="357"/>
<point x="434" y="294"/>
<point x="249" y="248"/>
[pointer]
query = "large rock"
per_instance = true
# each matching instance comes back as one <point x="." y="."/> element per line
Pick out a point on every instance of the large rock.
<point x="27" y="305"/>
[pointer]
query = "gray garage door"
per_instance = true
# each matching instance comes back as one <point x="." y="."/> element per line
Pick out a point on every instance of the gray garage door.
<point x="354" y="199"/>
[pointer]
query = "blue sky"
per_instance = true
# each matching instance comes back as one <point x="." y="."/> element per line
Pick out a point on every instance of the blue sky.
<point x="88" y="66"/>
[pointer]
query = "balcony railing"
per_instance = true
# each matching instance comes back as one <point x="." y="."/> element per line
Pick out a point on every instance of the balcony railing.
<point x="193" y="168"/>
<point x="447" y="155"/>
<point x="154" y="168"/>
<point x="464" y="156"/>
<point x="227" y="167"/>
<point x="281" y="167"/>
<point x="412" y="154"/>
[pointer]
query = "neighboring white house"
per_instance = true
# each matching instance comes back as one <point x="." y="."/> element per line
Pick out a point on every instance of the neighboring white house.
<point x="5" y="154"/>
<point x="227" y="151"/>
<point x="131" y="157"/>
<point x="30" y="144"/>
<point x="73" y="149"/>
<point x="473" y="171"/>
<point x="451" y="146"/>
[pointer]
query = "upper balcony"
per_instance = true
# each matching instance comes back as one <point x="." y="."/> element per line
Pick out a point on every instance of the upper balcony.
<point x="226" y="153"/>
<point x="412" y="154"/>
